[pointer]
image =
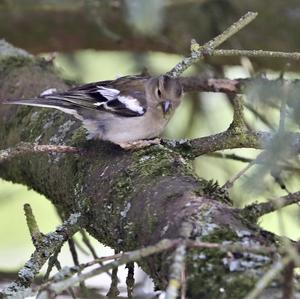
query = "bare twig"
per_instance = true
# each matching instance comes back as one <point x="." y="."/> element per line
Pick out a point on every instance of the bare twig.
<point x="177" y="266"/>
<point x="263" y="282"/>
<point x="256" y="53"/>
<point x="282" y="119"/>
<point x="25" y="148"/>
<point x="259" y="115"/>
<point x="183" y="283"/>
<point x="50" y="243"/>
<point x="52" y="262"/>
<point x="87" y="242"/>
<point x="62" y="284"/>
<point x="130" y="279"/>
<point x="232" y="180"/>
<point x="113" y="291"/>
<point x="235" y="157"/>
<point x="260" y="209"/>
<point x="288" y="285"/>
<point x="199" y="52"/>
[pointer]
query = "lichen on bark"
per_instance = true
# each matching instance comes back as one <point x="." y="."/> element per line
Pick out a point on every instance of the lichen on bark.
<point x="129" y="199"/>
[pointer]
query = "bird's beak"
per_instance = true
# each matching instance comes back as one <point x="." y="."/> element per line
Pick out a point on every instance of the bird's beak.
<point x="166" y="105"/>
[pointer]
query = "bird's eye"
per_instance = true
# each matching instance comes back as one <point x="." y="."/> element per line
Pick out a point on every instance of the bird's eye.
<point x="159" y="92"/>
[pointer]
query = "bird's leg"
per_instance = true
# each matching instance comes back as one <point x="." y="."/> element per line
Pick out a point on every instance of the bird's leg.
<point x="139" y="143"/>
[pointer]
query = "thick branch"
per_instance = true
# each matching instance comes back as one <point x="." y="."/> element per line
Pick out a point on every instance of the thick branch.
<point x="129" y="199"/>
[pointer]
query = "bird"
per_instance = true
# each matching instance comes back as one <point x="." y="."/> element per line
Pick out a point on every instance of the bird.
<point x="129" y="111"/>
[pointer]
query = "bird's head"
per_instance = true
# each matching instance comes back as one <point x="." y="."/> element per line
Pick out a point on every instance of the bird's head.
<point x="165" y="93"/>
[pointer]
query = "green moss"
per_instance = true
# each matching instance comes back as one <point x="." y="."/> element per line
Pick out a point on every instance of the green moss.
<point x="213" y="189"/>
<point x="78" y="137"/>
<point x="220" y="235"/>
<point x="122" y="186"/>
<point x="8" y="63"/>
<point x="155" y="161"/>
<point x="213" y="276"/>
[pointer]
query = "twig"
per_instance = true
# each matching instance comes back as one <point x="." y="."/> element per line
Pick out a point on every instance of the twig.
<point x="288" y="285"/>
<point x="183" y="283"/>
<point x="75" y="258"/>
<point x="87" y="242"/>
<point x="259" y="115"/>
<point x="235" y="247"/>
<point x="35" y="233"/>
<point x="233" y="157"/>
<point x="25" y="148"/>
<point x="238" y="158"/>
<point x="177" y="266"/>
<point x="199" y="52"/>
<point x="258" y="210"/>
<point x="263" y="282"/>
<point x="176" y="271"/>
<point x="52" y="262"/>
<point x="238" y="122"/>
<point x="232" y="180"/>
<point x="282" y="118"/>
<point x="50" y="243"/>
<point x="256" y="53"/>
<point x="62" y="284"/>
<point x="113" y="291"/>
<point x="130" y="280"/>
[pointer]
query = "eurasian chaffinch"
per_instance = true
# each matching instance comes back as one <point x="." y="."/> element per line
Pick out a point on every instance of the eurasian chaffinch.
<point x="123" y="111"/>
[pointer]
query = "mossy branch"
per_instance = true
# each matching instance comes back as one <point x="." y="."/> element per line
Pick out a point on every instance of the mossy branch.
<point x="259" y="209"/>
<point x="47" y="246"/>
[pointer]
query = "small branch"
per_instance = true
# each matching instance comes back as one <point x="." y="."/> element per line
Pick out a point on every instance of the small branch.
<point x="268" y="277"/>
<point x="258" y="210"/>
<point x="288" y="284"/>
<point x="86" y="241"/>
<point x="220" y="141"/>
<point x="62" y="284"/>
<point x="198" y="52"/>
<point x="25" y="148"/>
<point x="228" y="139"/>
<point x="52" y="262"/>
<point x="256" y="53"/>
<point x="229" y="184"/>
<point x="238" y="122"/>
<point x="176" y="271"/>
<point x="50" y="243"/>
<point x="178" y="265"/>
<point x="238" y="158"/>
<point x="130" y="280"/>
<point x="233" y="157"/>
<point x="35" y="233"/>
<point x="259" y="115"/>
<point x="113" y="291"/>
<point x="283" y="108"/>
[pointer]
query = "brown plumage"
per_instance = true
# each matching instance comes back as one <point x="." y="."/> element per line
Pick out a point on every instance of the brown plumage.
<point x="124" y="110"/>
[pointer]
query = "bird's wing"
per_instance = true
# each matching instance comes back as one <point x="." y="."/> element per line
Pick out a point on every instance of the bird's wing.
<point x="101" y="96"/>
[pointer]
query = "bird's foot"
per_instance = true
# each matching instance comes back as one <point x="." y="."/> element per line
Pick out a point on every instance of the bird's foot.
<point x="139" y="143"/>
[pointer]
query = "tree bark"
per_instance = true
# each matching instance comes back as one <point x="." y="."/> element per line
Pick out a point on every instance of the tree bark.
<point x="69" y="25"/>
<point x="129" y="198"/>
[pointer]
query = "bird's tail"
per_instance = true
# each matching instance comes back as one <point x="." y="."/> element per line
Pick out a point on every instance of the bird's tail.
<point x="64" y="106"/>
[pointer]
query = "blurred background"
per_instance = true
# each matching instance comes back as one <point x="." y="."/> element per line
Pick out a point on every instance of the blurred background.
<point x="101" y="40"/>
